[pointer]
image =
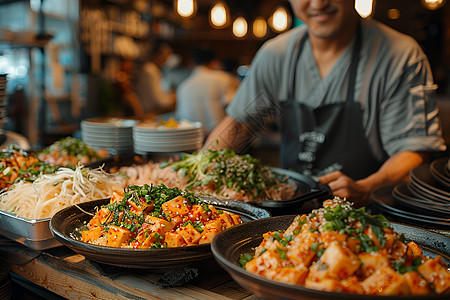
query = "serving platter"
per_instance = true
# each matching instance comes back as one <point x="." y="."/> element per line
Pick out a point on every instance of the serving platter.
<point x="67" y="223"/>
<point x="228" y="245"/>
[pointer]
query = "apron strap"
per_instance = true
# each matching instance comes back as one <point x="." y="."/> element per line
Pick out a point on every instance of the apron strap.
<point x="354" y="64"/>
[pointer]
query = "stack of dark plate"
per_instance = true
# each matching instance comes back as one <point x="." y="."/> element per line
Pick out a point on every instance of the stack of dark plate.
<point x="423" y="201"/>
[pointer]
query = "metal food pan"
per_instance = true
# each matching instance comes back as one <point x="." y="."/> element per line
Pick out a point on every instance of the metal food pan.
<point x="33" y="233"/>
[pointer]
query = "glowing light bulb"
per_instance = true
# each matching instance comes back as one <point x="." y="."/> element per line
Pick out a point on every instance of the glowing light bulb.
<point x="364" y="7"/>
<point x="433" y="4"/>
<point x="240" y="27"/>
<point x="185" y="8"/>
<point x="279" y="20"/>
<point x="218" y="15"/>
<point x="259" y="27"/>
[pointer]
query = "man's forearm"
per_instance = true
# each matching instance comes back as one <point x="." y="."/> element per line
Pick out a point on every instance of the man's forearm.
<point x="229" y="134"/>
<point x="394" y="171"/>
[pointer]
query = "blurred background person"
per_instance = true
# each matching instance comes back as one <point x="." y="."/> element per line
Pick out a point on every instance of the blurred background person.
<point x="148" y="88"/>
<point x="174" y="71"/>
<point x="204" y="95"/>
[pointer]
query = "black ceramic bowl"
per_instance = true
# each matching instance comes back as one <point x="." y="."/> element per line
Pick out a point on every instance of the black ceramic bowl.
<point x="228" y="245"/>
<point x="66" y="223"/>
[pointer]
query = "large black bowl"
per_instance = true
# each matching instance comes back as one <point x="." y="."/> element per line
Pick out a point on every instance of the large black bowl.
<point x="228" y="245"/>
<point x="65" y="225"/>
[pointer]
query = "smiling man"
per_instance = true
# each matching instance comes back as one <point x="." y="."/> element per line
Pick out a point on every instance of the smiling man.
<point x="353" y="97"/>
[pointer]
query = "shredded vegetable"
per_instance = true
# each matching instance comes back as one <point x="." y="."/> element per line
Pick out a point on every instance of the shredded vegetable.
<point x="229" y="173"/>
<point x="52" y="192"/>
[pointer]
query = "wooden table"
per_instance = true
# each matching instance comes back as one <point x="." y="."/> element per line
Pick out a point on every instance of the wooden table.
<point x="72" y="276"/>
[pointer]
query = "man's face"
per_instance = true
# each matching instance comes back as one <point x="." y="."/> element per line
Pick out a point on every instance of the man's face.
<point x="325" y="18"/>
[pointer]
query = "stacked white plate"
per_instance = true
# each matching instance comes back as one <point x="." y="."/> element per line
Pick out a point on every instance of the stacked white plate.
<point x="3" y="100"/>
<point x="151" y="137"/>
<point x="113" y="134"/>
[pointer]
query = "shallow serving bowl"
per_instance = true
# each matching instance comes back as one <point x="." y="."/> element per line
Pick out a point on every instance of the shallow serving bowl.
<point x="228" y="245"/>
<point x="66" y="223"/>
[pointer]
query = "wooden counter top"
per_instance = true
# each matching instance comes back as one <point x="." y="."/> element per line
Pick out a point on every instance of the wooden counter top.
<point x="72" y="276"/>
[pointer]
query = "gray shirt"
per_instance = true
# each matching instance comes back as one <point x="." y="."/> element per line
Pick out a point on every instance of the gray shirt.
<point x="394" y="86"/>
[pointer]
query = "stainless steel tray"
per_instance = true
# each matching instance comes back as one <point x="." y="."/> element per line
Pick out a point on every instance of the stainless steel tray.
<point x="33" y="233"/>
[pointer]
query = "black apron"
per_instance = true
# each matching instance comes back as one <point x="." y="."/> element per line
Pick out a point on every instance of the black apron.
<point x="328" y="138"/>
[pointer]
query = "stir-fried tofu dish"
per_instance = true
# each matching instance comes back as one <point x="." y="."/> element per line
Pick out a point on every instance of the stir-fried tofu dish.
<point x="156" y="217"/>
<point x="339" y="248"/>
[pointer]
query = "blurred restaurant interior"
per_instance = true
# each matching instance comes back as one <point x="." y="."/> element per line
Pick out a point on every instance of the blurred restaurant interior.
<point x="60" y="56"/>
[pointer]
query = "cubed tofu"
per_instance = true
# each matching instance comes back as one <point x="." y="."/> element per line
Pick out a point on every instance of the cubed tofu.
<point x="326" y="285"/>
<point x="385" y="282"/>
<point x="398" y="251"/>
<point x="296" y="226"/>
<point x="208" y="235"/>
<point x="299" y="250"/>
<point x="330" y="236"/>
<point x="92" y="234"/>
<point x="141" y="207"/>
<point x="317" y="272"/>
<point x="103" y="215"/>
<point x="117" y="236"/>
<point x="177" y="221"/>
<point x="435" y="273"/>
<point x="158" y="225"/>
<point x="198" y="213"/>
<point x="190" y="235"/>
<point x="116" y="197"/>
<point x="265" y="264"/>
<point x="389" y="238"/>
<point x="351" y="285"/>
<point x="369" y="232"/>
<point x="236" y="219"/>
<point x="173" y="239"/>
<point x="227" y="219"/>
<point x="340" y="261"/>
<point x="216" y="223"/>
<point x="178" y="206"/>
<point x="416" y="251"/>
<point x="291" y="275"/>
<point x="417" y="284"/>
<point x="150" y="239"/>
<point x="271" y="244"/>
<point x="373" y="261"/>
<point x="354" y="245"/>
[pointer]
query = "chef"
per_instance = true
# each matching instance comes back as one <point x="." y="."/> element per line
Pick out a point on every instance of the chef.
<point x="354" y="99"/>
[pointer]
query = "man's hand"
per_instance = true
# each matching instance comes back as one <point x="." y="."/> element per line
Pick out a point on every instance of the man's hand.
<point x="394" y="171"/>
<point x="343" y="186"/>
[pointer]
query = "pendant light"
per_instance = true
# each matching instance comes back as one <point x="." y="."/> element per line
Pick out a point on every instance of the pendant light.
<point x="219" y="15"/>
<point x="364" y="8"/>
<point x="280" y="19"/>
<point x="240" y="27"/>
<point x="186" y="8"/>
<point x="433" y="4"/>
<point x="259" y="27"/>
